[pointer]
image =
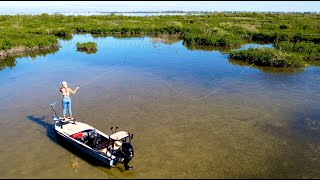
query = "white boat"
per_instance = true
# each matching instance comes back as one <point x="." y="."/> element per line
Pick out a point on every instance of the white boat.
<point x="110" y="150"/>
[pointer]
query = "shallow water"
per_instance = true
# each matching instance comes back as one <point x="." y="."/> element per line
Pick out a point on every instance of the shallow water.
<point x="256" y="123"/>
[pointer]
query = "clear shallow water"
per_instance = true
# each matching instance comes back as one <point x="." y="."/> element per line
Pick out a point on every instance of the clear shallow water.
<point x="259" y="122"/>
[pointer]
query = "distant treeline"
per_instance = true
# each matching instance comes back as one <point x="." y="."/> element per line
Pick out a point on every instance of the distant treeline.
<point x="287" y="31"/>
<point x="202" y="12"/>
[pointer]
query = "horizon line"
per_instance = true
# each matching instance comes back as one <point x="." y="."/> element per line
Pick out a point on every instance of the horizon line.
<point x="166" y="11"/>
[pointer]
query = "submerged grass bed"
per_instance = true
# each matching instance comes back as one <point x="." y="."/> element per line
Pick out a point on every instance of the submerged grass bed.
<point x="211" y="30"/>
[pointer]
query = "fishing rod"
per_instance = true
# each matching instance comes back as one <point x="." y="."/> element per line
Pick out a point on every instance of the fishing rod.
<point x="191" y="98"/>
<point x="76" y="97"/>
<point x="170" y="86"/>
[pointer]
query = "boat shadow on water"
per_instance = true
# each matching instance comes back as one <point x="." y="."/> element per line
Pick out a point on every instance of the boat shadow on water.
<point x="52" y="135"/>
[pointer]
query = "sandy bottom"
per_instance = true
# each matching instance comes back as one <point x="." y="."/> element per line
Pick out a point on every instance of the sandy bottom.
<point x="249" y="129"/>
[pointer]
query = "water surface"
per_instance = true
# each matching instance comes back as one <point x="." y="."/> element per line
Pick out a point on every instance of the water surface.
<point x="251" y="122"/>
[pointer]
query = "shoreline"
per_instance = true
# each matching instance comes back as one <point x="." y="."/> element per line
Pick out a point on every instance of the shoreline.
<point x="298" y="39"/>
<point x="97" y="12"/>
<point x="23" y="50"/>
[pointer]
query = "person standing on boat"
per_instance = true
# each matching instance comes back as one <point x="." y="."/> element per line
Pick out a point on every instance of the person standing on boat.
<point x="66" y="100"/>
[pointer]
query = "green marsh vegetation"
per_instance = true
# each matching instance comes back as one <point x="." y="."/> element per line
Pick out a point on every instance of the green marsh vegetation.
<point x="88" y="47"/>
<point x="296" y="37"/>
<point x="268" y="57"/>
<point x="285" y="54"/>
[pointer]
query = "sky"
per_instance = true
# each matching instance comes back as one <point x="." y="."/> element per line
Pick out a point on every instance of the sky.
<point x="81" y="6"/>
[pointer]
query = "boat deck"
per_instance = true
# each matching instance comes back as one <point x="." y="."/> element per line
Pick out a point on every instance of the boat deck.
<point x="69" y="128"/>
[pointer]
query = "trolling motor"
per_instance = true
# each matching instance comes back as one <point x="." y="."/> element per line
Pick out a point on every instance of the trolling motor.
<point x="57" y="118"/>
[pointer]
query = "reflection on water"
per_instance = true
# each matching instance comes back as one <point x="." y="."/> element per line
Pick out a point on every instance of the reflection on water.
<point x="211" y="48"/>
<point x="228" y="49"/>
<point x="165" y="38"/>
<point x="259" y="124"/>
<point x="266" y="69"/>
<point x="252" y="45"/>
<point x="89" y="51"/>
<point x="10" y="62"/>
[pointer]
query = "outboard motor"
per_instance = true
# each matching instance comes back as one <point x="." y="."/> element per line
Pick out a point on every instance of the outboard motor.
<point x="127" y="154"/>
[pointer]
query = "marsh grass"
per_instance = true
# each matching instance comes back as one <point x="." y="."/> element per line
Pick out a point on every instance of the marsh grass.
<point x="87" y="46"/>
<point x="211" y="30"/>
<point x="269" y="57"/>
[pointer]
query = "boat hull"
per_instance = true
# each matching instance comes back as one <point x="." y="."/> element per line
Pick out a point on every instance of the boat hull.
<point x="88" y="151"/>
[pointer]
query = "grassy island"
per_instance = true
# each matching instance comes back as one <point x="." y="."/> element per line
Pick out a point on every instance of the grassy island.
<point x="268" y="57"/>
<point x="295" y="35"/>
<point x="89" y="47"/>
